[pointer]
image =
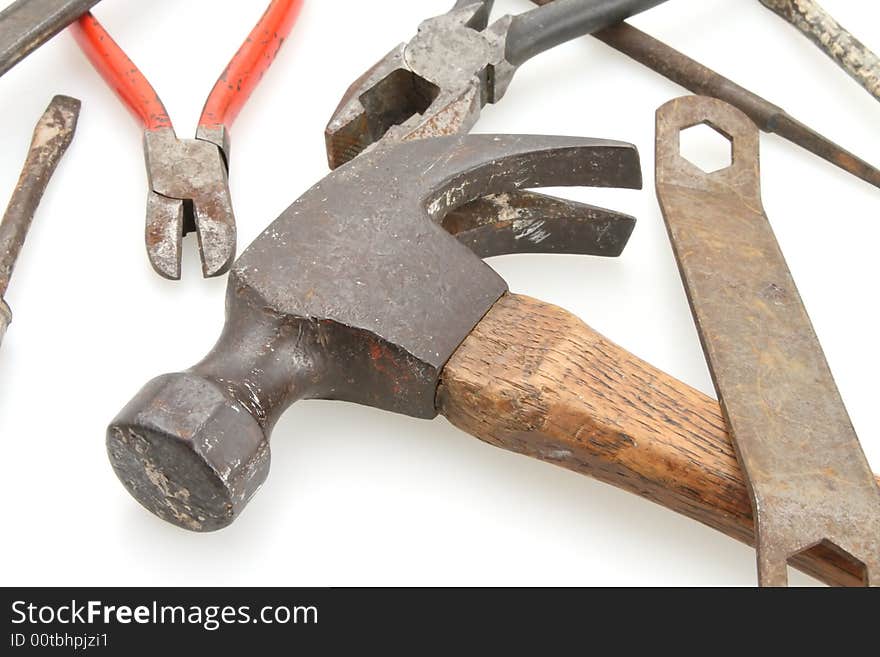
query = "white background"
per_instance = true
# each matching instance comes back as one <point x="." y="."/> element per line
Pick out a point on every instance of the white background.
<point x="357" y="496"/>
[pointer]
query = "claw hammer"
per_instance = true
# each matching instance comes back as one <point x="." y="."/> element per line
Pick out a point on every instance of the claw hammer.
<point x="358" y="292"/>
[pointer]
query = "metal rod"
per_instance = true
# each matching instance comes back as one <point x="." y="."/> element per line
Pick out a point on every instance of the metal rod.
<point x="703" y="81"/>
<point x="52" y="136"/>
<point x="807" y="475"/>
<point x="26" y="25"/>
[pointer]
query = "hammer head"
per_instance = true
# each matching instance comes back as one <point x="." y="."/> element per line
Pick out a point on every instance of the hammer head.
<point x="355" y="293"/>
<point x="436" y="84"/>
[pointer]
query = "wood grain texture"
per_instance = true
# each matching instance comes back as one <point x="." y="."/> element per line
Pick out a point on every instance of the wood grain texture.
<point x="533" y="378"/>
<point x="819" y="26"/>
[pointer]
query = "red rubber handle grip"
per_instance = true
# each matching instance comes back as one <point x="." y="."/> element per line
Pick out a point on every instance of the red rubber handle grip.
<point x="248" y="65"/>
<point x="120" y="72"/>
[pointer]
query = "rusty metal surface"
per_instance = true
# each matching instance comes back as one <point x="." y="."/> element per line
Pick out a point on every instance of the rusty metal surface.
<point x="809" y="479"/>
<point x="189" y="192"/>
<point x="355" y="293"/>
<point x="25" y="25"/>
<point x="819" y="26"/>
<point x="437" y="83"/>
<point x="189" y="187"/>
<point x="704" y="81"/>
<point x="52" y="136"/>
<point x="508" y="223"/>
<point x="434" y="85"/>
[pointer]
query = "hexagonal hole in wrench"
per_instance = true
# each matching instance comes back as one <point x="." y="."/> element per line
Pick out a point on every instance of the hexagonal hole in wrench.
<point x="706" y="147"/>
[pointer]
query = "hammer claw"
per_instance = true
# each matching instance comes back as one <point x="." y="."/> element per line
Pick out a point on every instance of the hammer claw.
<point x="526" y="222"/>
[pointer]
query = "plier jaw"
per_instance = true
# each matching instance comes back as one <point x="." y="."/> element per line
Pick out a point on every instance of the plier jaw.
<point x="188" y="178"/>
<point x="434" y="85"/>
<point x="389" y="102"/>
<point x="189" y="192"/>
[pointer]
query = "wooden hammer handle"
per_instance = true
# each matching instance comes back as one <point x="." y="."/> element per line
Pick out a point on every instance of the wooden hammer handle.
<point x="533" y="378"/>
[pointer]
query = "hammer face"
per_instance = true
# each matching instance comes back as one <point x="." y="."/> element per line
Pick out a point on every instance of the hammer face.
<point x="188" y="452"/>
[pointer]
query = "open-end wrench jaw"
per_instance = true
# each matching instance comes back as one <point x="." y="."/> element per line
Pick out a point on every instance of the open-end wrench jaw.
<point x="189" y="192"/>
<point x="809" y="481"/>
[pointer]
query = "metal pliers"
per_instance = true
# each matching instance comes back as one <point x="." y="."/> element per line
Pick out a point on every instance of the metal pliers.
<point x="189" y="189"/>
<point x="437" y="83"/>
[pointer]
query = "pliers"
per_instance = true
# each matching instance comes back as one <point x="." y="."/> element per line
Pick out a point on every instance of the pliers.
<point x="188" y="178"/>
<point x="437" y="83"/>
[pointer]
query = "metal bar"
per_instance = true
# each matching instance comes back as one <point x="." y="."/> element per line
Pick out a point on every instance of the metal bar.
<point x="52" y="136"/>
<point x="702" y="80"/>
<point x="25" y="25"/>
<point x="808" y="477"/>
